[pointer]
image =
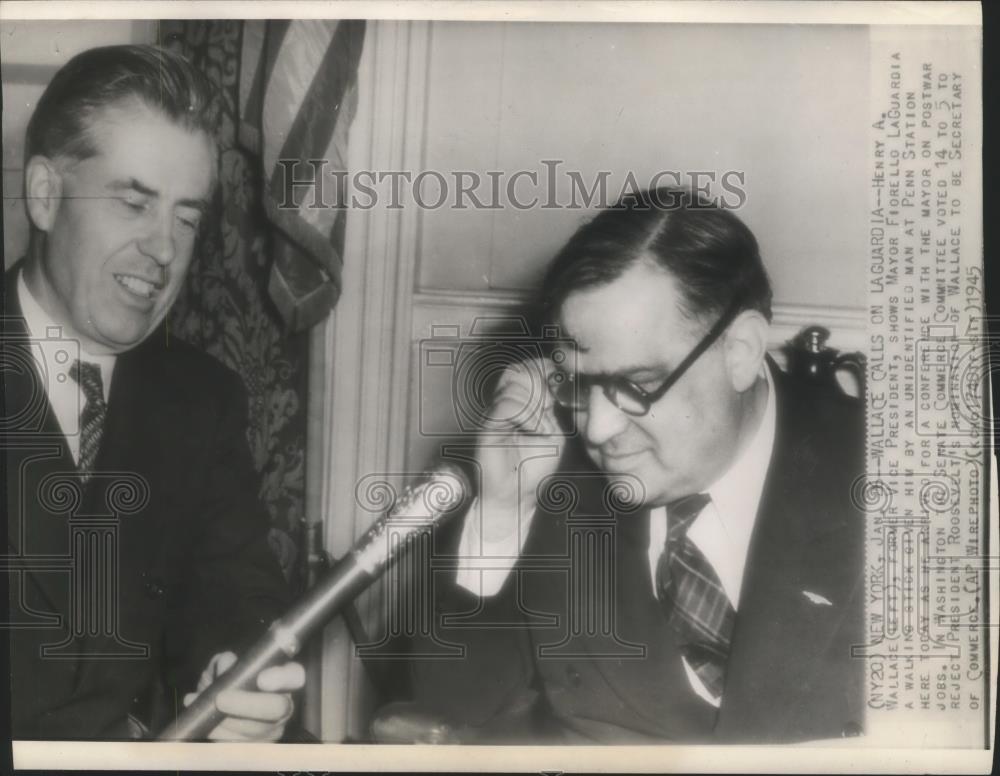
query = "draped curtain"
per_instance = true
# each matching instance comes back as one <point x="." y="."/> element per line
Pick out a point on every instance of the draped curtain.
<point x="224" y="307"/>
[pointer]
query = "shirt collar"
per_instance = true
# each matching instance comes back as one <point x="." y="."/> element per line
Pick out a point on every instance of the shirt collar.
<point x="736" y="498"/>
<point x="54" y="351"/>
<point x="736" y="494"/>
<point x="724" y="528"/>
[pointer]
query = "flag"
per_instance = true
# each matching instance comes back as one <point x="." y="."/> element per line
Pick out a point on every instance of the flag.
<point x="298" y="96"/>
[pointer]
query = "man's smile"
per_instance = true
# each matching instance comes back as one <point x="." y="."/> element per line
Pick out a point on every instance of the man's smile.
<point x="138" y="286"/>
<point x="621" y="458"/>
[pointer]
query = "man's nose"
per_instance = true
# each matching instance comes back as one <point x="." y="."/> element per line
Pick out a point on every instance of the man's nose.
<point x="158" y="243"/>
<point x="604" y="420"/>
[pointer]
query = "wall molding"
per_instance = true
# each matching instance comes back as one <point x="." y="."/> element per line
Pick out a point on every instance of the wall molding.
<point x="29" y="72"/>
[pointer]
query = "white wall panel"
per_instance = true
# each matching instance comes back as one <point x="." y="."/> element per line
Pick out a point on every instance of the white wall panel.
<point x="647" y="98"/>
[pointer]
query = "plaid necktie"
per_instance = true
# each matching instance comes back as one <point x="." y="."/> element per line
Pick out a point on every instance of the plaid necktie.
<point x="692" y="597"/>
<point x="91" y="416"/>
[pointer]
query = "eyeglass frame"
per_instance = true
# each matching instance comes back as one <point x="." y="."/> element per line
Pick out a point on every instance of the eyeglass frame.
<point x="647" y="399"/>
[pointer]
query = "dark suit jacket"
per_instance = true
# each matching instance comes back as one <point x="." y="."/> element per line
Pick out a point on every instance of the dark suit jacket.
<point x="587" y="654"/>
<point x="130" y="584"/>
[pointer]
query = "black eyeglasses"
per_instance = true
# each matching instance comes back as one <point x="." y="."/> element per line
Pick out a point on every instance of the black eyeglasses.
<point x="573" y="390"/>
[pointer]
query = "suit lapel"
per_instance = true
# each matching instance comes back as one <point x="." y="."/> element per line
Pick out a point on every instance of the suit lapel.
<point x="128" y="487"/>
<point x="37" y="457"/>
<point x="656" y="687"/>
<point x="129" y="452"/>
<point x="639" y="662"/>
<point x="37" y="460"/>
<point x="788" y="612"/>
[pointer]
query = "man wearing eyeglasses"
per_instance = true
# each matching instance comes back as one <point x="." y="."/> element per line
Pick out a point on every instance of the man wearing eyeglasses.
<point x="714" y="586"/>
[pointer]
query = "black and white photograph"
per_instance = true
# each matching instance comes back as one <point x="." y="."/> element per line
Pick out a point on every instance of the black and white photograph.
<point x="386" y="382"/>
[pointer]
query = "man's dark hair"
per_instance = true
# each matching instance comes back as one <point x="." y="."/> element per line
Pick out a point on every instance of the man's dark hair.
<point x="102" y="77"/>
<point x="710" y="253"/>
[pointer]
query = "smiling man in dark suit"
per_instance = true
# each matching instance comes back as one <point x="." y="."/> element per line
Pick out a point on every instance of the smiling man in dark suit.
<point x="137" y="557"/>
<point x="687" y="564"/>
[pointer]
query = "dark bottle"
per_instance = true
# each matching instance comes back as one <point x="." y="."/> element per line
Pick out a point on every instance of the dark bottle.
<point x="810" y="359"/>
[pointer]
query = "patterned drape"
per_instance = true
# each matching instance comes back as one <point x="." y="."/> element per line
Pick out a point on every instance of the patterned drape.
<point x="224" y="308"/>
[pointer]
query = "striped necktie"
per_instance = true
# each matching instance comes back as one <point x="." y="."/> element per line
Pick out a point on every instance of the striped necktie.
<point x="692" y="597"/>
<point x="91" y="416"/>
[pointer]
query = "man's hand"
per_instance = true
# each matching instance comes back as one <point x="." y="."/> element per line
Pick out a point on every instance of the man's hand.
<point x="252" y="715"/>
<point x="511" y="462"/>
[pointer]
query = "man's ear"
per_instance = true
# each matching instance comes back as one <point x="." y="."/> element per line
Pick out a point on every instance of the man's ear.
<point x="43" y="185"/>
<point x="745" y="348"/>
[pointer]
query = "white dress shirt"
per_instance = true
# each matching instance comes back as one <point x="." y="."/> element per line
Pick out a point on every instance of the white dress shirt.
<point x="54" y="354"/>
<point x="721" y="531"/>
